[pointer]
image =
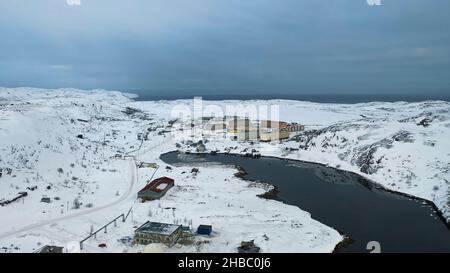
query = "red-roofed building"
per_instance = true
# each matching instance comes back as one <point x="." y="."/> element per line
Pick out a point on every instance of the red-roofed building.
<point x="156" y="189"/>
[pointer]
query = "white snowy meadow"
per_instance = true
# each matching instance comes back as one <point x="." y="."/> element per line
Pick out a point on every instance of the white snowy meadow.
<point x="67" y="149"/>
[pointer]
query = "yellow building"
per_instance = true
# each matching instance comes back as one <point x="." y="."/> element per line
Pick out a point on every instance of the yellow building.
<point x="272" y="135"/>
<point x="247" y="135"/>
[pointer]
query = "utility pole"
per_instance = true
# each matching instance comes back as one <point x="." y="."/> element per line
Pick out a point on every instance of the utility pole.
<point x="154" y="173"/>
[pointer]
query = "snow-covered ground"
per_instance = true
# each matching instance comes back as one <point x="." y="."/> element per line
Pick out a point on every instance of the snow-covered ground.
<point x="404" y="147"/>
<point x="70" y="144"/>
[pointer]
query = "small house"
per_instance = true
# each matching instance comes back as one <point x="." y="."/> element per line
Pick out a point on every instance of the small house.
<point x="152" y="232"/>
<point x="156" y="189"/>
<point x="46" y="200"/>
<point x="204" y="230"/>
<point x="32" y="188"/>
<point x="248" y="247"/>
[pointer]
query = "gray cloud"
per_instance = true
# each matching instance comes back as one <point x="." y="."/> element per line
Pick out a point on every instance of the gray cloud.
<point x="286" y="46"/>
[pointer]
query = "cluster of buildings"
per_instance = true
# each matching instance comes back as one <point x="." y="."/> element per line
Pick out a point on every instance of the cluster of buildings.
<point x="154" y="232"/>
<point x="244" y="129"/>
<point x="163" y="233"/>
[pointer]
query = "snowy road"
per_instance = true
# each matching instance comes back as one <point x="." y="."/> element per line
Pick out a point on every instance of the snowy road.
<point x="124" y="197"/>
<point x="402" y="146"/>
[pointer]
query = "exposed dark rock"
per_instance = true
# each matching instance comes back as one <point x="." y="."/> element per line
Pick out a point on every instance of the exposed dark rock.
<point x="272" y="194"/>
<point x="424" y="122"/>
<point x="403" y="136"/>
<point x="241" y="172"/>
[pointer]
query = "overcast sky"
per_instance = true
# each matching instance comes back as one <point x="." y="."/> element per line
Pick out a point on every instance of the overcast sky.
<point x="221" y="46"/>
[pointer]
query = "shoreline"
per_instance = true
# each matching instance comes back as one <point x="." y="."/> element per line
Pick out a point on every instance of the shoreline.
<point x="377" y="185"/>
<point x="273" y="193"/>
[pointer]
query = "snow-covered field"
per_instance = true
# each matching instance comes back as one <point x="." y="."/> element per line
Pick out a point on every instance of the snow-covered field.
<point x="403" y="146"/>
<point x="70" y="144"/>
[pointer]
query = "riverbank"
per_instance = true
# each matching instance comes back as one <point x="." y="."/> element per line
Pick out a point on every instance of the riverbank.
<point x="401" y="146"/>
<point x="361" y="217"/>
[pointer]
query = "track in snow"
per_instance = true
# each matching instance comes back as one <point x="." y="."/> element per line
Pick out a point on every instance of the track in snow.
<point x="130" y="191"/>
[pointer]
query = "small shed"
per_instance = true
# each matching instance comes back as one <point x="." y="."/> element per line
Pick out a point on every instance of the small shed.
<point x="204" y="230"/>
<point x="46" y="199"/>
<point x="248" y="247"/>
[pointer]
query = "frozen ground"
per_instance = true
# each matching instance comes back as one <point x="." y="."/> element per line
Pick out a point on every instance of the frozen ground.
<point x="71" y="145"/>
<point x="402" y="146"/>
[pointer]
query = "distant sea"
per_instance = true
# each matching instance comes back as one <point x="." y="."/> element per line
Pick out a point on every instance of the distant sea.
<point x="151" y="96"/>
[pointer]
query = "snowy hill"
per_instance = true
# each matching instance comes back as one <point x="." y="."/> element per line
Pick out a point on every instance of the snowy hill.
<point x="65" y="148"/>
<point x="59" y="144"/>
<point x="402" y="146"/>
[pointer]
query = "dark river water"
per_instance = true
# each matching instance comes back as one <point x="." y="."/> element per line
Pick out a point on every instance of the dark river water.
<point x="345" y="201"/>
